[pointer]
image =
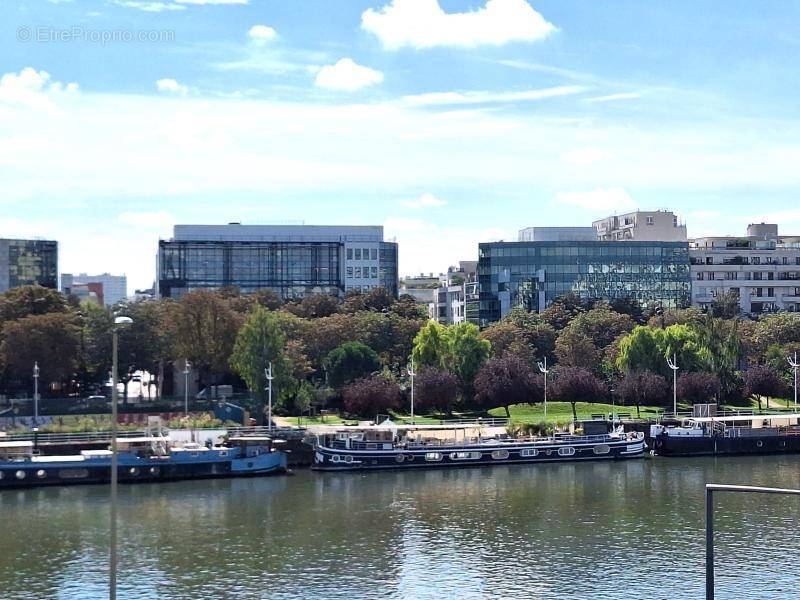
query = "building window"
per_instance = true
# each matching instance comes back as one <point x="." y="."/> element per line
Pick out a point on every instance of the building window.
<point x="650" y="220"/>
<point x="358" y="273"/>
<point x="709" y="260"/>
<point x="358" y="254"/>
<point x="349" y="254"/>
<point x="756" y="260"/>
<point x="374" y="254"/>
<point x="700" y="276"/>
<point x="770" y="292"/>
<point x="373" y="271"/>
<point x="366" y="253"/>
<point x="349" y="272"/>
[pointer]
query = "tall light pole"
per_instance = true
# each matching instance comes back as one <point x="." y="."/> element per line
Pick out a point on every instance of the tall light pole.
<point x="412" y="373"/>
<point x="543" y="368"/>
<point x="36" y="392"/>
<point x="673" y="364"/>
<point x="269" y="377"/>
<point x="119" y="323"/>
<point x="794" y="364"/>
<point x="186" y="367"/>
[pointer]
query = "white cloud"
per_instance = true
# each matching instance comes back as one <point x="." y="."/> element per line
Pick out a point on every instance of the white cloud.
<point x="348" y="76"/>
<point x="31" y="88"/>
<point x="171" y="86"/>
<point x="586" y="156"/>
<point x="426" y="200"/>
<point x="483" y="97"/>
<point x="261" y="34"/>
<point x="615" y="97"/>
<point x="150" y="6"/>
<point x="423" y="24"/>
<point x="600" y="199"/>
<point x="204" y="2"/>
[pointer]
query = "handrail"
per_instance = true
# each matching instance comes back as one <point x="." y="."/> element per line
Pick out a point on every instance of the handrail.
<point x="716" y="487"/>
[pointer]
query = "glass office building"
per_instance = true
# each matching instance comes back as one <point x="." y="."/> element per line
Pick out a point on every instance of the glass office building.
<point x="533" y="274"/>
<point x="28" y="262"/>
<point x="293" y="260"/>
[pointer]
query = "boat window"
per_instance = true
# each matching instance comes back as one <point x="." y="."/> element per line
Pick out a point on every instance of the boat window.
<point x="134" y="471"/>
<point x="566" y="451"/>
<point x="500" y="454"/>
<point x="335" y="458"/>
<point x="465" y="455"/>
<point x="601" y="449"/>
<point x="223" y="453"/>
<point x="372" y="446"/>
<point x="194" y="454"/>
<point x="20" y="474"/>
<point x="41" y="474"/>
<point x="399" y="458"/>
<point x="348" y="459"/>
<point x="433" y="456"/>
<point x="73" y="473"/>
<point x="529" y="452"/>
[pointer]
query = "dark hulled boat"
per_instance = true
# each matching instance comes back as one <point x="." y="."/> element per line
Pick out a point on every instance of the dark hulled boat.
<point x="735" y="434"/>
<point x="392" y="446"/>
<point x="144" y="459"/>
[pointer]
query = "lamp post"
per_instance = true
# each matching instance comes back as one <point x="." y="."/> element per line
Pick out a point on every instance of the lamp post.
<point x="794" y="364"/>
<point x="36" y="392"/>
<point x="412" y="373"/>
<point x="186" y="367"/>
<point x="543" y="368"/>
<point x="673" y="364"/>
<point x="119" y="323"/>
<point x="269" y="377"/>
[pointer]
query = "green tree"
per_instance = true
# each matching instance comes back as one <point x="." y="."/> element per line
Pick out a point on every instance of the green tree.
<point x="432" y="346"/>
<point x="260" y="342"/>
<point x="575" y="349"/>
<point x="467" y="354"/>
<point x="95" y="356"/>
<point x="349" y="362"/>
<point x="27" y="300"/>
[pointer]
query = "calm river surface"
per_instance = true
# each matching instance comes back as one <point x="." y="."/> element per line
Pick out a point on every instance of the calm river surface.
<point x="593" y="530"/>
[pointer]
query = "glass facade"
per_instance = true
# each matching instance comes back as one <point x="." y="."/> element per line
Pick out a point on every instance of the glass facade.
<point x="293" y="269"/>
<point x="533" y="274"/>
<point x="28" y="262"/>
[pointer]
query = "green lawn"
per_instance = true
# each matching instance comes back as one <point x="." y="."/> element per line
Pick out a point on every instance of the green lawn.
<point x="562" y="411"/>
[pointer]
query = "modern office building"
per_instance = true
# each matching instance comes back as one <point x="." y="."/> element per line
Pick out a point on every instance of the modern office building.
<point x="28" y="262"/>
<point x="293" y="260"/>
<point x="533" y="274"/>
<point x="762" y="268"/>
<point x="114" y="287"/>
<point x="641" y="226"/>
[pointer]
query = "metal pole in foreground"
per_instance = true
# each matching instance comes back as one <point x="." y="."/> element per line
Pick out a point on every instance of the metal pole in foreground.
<point x="673" y="364"/>
<point x="112" y="562"/>
<point x="186" y="367"/>
<point x="794" y="364"/>
<point x="710" y="489"/>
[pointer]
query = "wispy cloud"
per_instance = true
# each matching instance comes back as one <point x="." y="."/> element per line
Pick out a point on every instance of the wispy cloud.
<point x="423" y="24"/>
<point x="615" y="97"/>
<point x="485" y="97"/>
<point x="424" y="201"/>
<point x="171" y="87"/>
<point x="261" y="34"/>
<point x="347" y="75"/>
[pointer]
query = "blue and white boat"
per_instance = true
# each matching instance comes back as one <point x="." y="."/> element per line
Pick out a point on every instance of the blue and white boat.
<point x="141" y="459"/>
<point x="394" y="446"/>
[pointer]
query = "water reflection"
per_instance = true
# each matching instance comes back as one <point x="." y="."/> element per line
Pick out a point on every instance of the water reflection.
<point x="595" y="530"/>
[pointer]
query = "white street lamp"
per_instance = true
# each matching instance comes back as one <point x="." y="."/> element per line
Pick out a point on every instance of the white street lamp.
<point x="186" y="367"/>
<point x="543" y="368"/>
<point x="36" y="392"/>
<point x="673" y="364"/>
<point x="269" y="377"/>
<point x="412" y="373"/>
<point x="794" y="364"/>
<point x="119" y="323"/>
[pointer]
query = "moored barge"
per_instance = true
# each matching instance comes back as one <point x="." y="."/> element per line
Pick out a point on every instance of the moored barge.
<point x="734" y="434"/>
<point x="393" y="446"/>
<point x="142" y="459"/>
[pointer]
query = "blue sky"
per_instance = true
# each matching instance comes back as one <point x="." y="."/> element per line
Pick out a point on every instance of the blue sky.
<point x="449" y="122"/>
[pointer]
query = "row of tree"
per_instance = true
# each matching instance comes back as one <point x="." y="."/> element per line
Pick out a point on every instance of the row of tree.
<point x="356" y="352"/>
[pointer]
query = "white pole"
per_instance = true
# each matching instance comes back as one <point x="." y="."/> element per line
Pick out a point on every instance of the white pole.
<point x="36" y="392"/>
<point x="543" y="368"/>
<point x="268" y="373"/>
<point x="794" y="365"/>
<point x="411" y="374"/>
<point x="186" y="387"/>
<point x="673" y="364"/>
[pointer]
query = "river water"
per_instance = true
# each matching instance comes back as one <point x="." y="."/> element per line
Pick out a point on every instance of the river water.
<point x="598" y="530"/>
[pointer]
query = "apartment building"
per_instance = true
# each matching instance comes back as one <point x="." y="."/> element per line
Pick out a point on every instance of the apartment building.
<point x="641" y="226"/>
<point x="762" y="268"/>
